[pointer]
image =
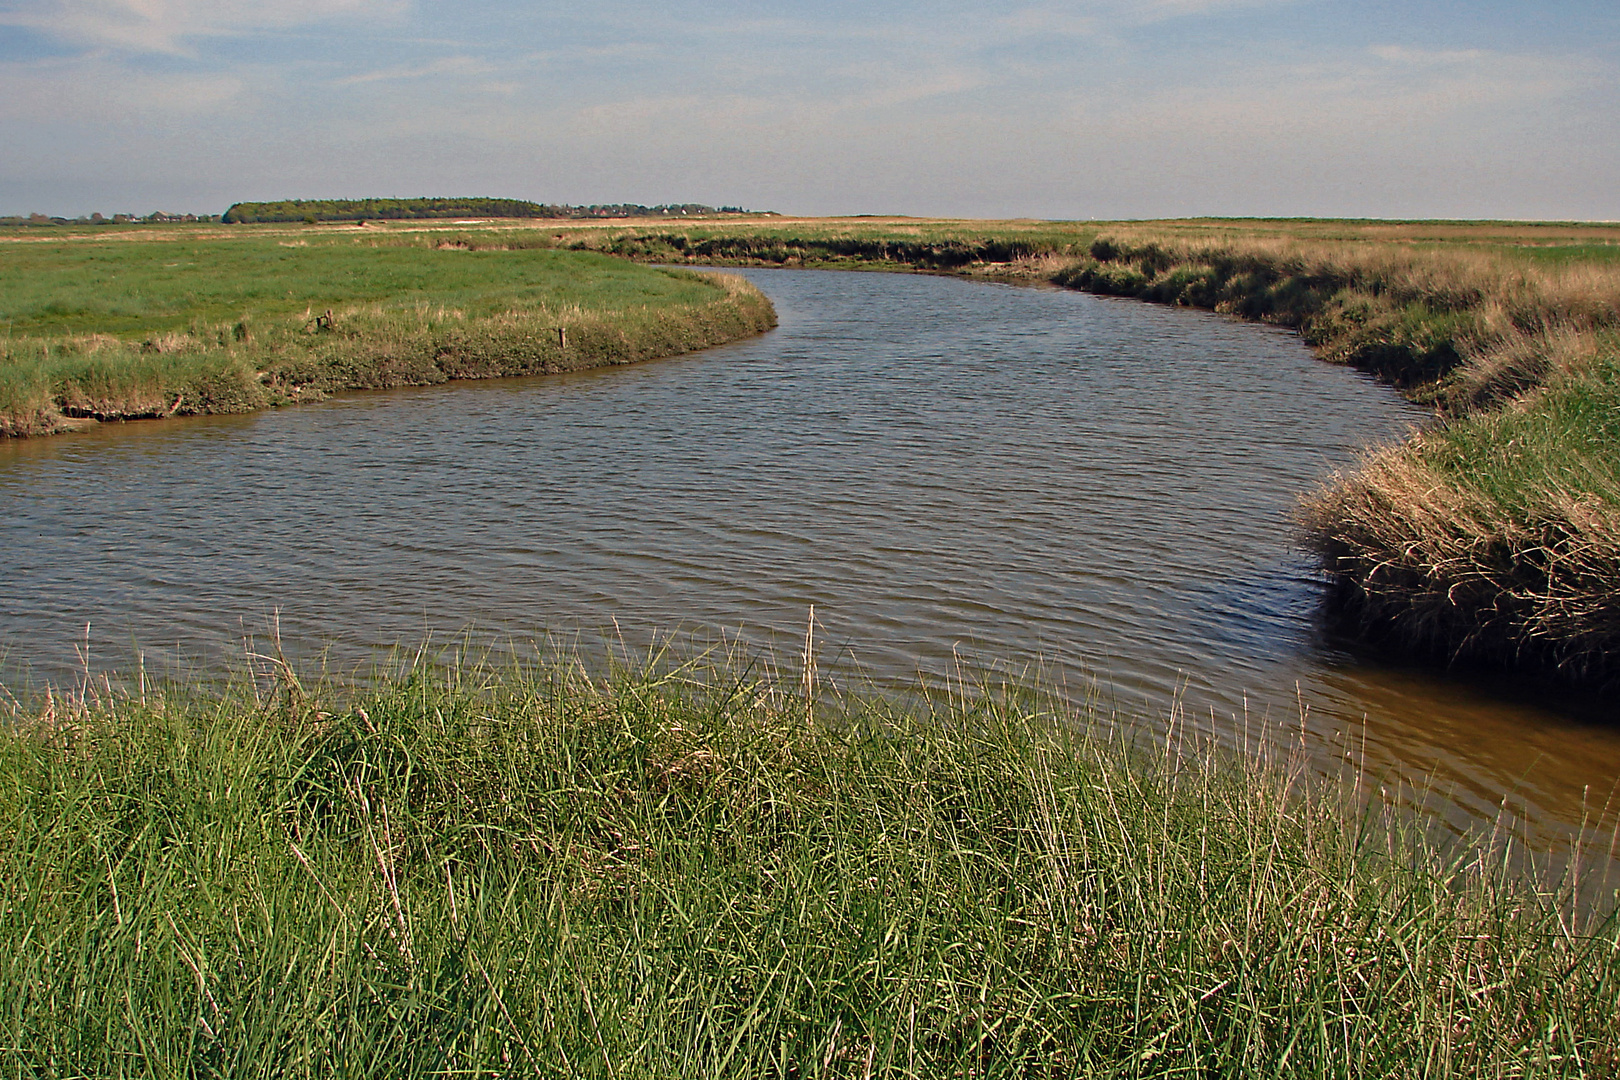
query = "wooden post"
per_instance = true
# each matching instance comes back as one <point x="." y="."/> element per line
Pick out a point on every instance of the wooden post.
<point x="562" y="337"/>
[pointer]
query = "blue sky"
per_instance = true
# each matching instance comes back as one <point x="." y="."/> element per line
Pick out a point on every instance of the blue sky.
<point x="1059" y="110"/>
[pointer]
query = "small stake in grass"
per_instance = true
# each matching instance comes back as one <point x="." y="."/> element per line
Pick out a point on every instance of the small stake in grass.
<point x="810" y="665"/>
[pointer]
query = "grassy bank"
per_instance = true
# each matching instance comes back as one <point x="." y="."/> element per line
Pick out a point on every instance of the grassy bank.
<point x="170" y="321"/>
<point x="1493" y="536"/>
<point x="696" y="872"/>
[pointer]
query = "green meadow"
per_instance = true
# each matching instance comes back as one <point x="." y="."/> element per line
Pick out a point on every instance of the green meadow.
<point x="137" y="324"/>
<point x="140" y="288"/>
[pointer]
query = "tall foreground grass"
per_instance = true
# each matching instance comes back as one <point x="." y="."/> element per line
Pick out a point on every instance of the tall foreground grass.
<point x="113" y="328"/>
<point x="690" y="871"/>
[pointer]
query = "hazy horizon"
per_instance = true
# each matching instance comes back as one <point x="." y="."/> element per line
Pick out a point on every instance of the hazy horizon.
<point x="1101" y="109"/>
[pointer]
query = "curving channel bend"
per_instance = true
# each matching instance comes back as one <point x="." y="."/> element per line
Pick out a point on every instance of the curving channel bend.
<point x="948" y="471"/>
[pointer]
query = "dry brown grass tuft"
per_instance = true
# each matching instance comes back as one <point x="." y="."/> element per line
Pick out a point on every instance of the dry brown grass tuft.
<point x="1436" y="563"/>
<point x="1496" y="534"/>
<point x="1509" y="362"/>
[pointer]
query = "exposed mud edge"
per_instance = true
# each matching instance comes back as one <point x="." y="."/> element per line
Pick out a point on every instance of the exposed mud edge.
<point x="39" y="422"/>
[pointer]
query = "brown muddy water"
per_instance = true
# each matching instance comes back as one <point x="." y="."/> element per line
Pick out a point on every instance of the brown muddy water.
<point x="951" y="472"/>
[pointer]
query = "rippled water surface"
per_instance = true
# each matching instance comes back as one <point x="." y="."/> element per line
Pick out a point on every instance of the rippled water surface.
<point x="942" y="468"/>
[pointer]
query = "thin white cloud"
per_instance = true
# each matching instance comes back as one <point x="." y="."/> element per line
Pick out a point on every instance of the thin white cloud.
<point x="616" y="51"/>
<point x="962" y="27"/>
<point x="1173" y="8"/>
<point x="1402" y="54"/>
<point x="468" y="66"/>
<point x="1093" y="16"/>
<point x="165" y="26"/>
<point x="78" y="93"/>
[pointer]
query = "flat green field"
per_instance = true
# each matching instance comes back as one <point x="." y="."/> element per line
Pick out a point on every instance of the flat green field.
<point x="116" y="325"/>
<point x="134" y="290"/>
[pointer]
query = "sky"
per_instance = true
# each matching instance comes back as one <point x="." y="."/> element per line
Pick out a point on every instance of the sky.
<point x="1085" y="109"/>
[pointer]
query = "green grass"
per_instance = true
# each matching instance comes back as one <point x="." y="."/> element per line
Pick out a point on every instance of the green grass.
<point x="1566" y="438"/>
<point x="687" y="870"/>
<point x="139" y="325"/>
<point x="138" y="289"/>
<point x="1572" y="253"/>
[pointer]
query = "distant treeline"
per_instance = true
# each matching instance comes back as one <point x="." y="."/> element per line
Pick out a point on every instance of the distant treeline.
<point x="405" y="209"/>
<point x="101" y="219"/>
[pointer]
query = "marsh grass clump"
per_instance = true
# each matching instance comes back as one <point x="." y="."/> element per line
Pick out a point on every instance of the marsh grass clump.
<point x="694" y="870"/>
<point x="1495" y="537"/>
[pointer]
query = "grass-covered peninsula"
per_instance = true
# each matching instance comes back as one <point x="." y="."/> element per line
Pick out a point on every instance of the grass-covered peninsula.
<point x="686" y="870"/>
<point x="182" y="320"/>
